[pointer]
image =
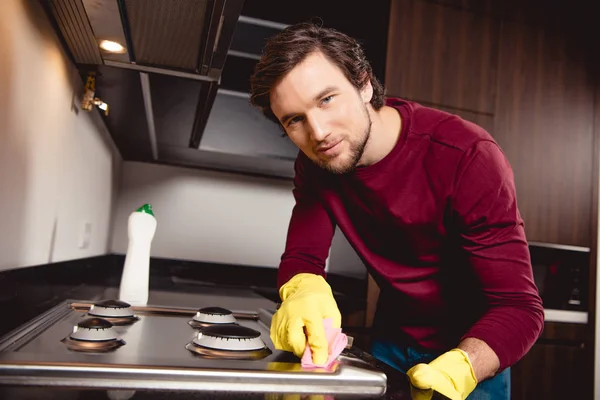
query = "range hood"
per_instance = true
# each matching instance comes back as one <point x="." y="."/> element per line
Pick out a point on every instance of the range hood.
<point x="163" y="41"/>
<point x="188" y="38"/>
<point x="179" y="92"/>
<point x="172" y="75"/>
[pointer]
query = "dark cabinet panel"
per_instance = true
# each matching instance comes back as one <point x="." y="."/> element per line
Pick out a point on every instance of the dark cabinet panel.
<point x="526" y="80"/>
<point x="551" y="372"/>
<point x="487" y="7"/>
<point x="564" y="332"/>
<point x="544" y="122"/>
<point x="442" y="56"/>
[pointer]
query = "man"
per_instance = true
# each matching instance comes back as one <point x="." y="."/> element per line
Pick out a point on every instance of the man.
<point x="425" y="198"/>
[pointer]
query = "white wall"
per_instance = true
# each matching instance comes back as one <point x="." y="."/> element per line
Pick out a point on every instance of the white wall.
<point x="215" y="217"/>
<point x="206" y="216"/>
<point x="57" y="166"/>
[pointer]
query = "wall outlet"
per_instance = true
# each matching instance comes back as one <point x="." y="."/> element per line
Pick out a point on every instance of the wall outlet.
<point x="86" y="234"/>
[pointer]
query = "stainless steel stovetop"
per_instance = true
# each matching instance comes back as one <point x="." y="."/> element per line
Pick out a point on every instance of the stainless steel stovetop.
<point x="160" y="348"/>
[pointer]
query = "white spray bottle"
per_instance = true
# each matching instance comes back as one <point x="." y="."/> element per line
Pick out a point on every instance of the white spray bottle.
<point x="135" y="280"/>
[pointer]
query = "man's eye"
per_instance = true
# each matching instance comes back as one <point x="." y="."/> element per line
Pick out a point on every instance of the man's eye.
<point x="327" y="99"/>
<point x="294" y="120"/>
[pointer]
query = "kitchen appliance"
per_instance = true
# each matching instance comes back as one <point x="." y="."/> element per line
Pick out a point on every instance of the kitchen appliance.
<point x="559" y="276"/>
<point x="113" y="346"/>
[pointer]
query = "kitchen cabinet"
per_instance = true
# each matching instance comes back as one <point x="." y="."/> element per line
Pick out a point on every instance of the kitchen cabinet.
<point x="442" y="56"/>
<point x="555" y="367"/>
<point x="526" y="80"/>
<point x="550" y="371"/>
<point x="544" y="122"/>
<point x="486" y="7"/>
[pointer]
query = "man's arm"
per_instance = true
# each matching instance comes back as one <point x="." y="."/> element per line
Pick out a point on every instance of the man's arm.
<point x="493" y="236"/>
<point x="484" y="360"/>
<point x="307" y="299"/>
<point x="310" y="230"/>
<point x="491" y="233"/>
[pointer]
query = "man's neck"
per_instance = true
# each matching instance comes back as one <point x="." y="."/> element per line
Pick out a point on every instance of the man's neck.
<point x="385" y="132"/>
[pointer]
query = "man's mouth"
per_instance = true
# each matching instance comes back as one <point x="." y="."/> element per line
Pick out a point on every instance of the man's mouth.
<point x="329" y="149"/>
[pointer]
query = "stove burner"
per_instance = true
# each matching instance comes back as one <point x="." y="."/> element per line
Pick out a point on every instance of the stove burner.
<point x="209" y="316"/>
<point x="115" y="311"/>
<point x="229" y="341"/>
<point x="100" y="328"/>
<point x="93" y="334"/>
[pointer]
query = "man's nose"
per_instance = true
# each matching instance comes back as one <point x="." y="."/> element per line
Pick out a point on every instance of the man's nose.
<point x="317" y="127"/>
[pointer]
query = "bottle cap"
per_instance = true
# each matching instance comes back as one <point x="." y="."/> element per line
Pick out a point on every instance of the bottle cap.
<point x="146" y="208"/>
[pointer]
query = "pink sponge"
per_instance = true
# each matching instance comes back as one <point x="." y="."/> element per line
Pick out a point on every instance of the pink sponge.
<point x="337" y="342"/>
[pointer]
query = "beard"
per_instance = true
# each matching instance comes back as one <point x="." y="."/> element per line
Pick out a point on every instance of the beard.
<point x="355" y="153"/>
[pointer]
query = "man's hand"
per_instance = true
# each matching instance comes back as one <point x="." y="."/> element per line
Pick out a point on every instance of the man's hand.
<point x="307" y="300"/>
<point x="451" y="374"/>
<point x="454" y="374"/>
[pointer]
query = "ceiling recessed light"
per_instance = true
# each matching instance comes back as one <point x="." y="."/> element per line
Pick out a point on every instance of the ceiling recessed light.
<point x="112" y="47"/>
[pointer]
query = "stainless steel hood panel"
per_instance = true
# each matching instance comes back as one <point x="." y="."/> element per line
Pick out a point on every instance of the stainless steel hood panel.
<point x="71" y="19"/>
<point x="191" y="36"/>
<point x="155" y="357"/>
<point x="167" y="33"/>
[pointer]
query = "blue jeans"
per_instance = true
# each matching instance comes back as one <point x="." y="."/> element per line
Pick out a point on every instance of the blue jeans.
<point x="403" y="358"/>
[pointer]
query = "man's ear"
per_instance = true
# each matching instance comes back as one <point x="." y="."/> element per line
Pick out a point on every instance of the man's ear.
<point x="367" y="91"/>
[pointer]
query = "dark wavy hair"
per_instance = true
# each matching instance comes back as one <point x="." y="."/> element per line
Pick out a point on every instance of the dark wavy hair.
<point x="292" y="45"/>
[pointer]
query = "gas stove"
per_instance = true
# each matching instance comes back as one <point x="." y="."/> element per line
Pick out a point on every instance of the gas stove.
<point x="110" y="345"/>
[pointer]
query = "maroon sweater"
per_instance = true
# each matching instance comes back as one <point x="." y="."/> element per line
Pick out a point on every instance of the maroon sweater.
<point x="437" y="225"/>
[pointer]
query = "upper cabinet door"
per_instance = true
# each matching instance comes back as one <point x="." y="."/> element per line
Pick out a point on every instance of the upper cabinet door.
<point x="439" y="55"/>
<point x="544" y="121"/>
<point x="523" y="78"/>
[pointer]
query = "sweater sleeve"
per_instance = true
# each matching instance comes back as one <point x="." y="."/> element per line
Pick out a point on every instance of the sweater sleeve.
<point x="310" y="231"/>
<point x="493" y="236"/>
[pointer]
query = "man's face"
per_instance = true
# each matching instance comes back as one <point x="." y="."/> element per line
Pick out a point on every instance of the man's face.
<point x="323" y="113"/>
